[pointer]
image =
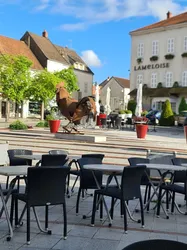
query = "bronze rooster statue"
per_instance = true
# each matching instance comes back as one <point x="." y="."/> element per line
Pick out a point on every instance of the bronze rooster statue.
<point x="72" y="109"/>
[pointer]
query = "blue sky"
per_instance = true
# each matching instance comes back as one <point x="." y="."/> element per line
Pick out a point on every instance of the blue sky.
<point x="97" y="29"/>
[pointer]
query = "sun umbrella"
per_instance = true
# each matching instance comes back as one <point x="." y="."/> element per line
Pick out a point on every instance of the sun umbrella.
<point x="107" y="106"/>
<point x="138" y="110"/>
<point x="97" y="99"/>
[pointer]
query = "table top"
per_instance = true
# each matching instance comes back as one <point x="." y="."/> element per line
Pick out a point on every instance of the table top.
<point x="14" y="170"/>
<point x="29" y="157"/>
<point x="105" y="167"/>
<point x="164" y="167"/>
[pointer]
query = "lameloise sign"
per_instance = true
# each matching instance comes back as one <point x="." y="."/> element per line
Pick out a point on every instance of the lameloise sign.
<point x="152" y="66"/>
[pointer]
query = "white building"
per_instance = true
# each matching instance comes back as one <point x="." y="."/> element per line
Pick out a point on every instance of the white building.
<point x="119" y="94"/>
<point x="159" y="61"/>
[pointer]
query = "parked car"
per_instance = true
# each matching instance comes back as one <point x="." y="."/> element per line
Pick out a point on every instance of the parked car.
<point x="153" y="114"/>
<point x="181" y="118"/>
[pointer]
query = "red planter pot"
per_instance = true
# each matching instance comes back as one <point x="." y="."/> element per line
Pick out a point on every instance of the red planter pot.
<point x="54" y="126"/>
<point x="185" y="132"/>
<point x="99" y="118"/>
<point x="141" y="130"/>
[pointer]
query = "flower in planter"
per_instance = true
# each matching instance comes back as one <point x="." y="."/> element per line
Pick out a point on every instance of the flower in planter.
<point x="184" y="54"/>
<point x="169" y="56"/>
<point x="154" y="58"/>
<point x="139" y="60"/>
<point x="141" y="120"/>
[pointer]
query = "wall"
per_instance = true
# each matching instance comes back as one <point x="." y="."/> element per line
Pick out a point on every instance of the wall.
<point x="55" y="66"/>
<point x="117" y="95"/>
<point x="83" y="77"/>
<point x="176" y="65"/>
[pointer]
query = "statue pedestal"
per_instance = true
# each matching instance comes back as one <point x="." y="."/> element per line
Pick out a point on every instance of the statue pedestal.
<point x="77" y="137"/>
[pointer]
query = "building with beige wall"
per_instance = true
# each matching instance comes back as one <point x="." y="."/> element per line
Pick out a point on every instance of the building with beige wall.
<point x="119" y="94"/>
<point x="159" y="61"/>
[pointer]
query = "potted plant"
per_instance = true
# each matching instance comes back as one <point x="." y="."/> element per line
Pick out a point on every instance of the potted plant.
<point x="128" y="113"/>
<point x="153" y="58"/>
<point x="139" y="60"/>
<point x="122" y="114"/>
<point x="184" y="54"/>
<point x="141" y="124"/>
<point x="54" y="122"/>
<point x="169" y="56"/>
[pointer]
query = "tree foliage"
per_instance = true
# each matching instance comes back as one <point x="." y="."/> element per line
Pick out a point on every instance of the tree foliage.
<point x="69" y="78"/>
<point x="182" y="105"/>
<point x="15" y="78"/>
<point x="167" y="117"/>
<point x="131" y="106"/>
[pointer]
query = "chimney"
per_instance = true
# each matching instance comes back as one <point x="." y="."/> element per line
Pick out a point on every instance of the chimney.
<point x="45" y="34"/>
<point x="108" y="78"/>
<point x="169" y="14"/>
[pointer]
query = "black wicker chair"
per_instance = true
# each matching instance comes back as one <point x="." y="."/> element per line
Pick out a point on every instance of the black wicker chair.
<point x="157" y="244"/>
<point x="130" y="189"/>
<point x="45" y="186"/>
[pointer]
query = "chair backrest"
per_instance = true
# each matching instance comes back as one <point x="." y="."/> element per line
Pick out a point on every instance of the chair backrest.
<point x="100" y="156"/>
<point x="46" y="185"/>
<point x="133" y="161"/>
<point x="58" y="152"/>
<point x="86" y="177"/>
<point x="14" y="161"/>
<point x="3" y="153"/>
<point x="53" y="160"/>
<point x="179" y="176"/>
<point x="157" y="244"/>
<point x="131" y="181"/>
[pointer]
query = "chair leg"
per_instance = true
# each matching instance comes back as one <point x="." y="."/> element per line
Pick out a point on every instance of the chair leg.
<point x="7" y="182"/>
<point x="101" y="209"/>
<point x="94" y="209"/>
<point x="148" y="198"/>
<point x="145" y="195"/>
<point x="28" y="224"/>
<point x="167" y="200"/>
<point x="46" y="216"/>
<point x="173" y="202"/>
<point x="142" y="211"/>
<point x="78" y="199"/>
<point x="12" y="209"/>
<point x="16" y="212"/>
<point x="159" y="201"/>
<point x="112" y="208"/>
<point x="72" y="189"/>
<point x="124" y="215"/>
<point x="65" y="220"/>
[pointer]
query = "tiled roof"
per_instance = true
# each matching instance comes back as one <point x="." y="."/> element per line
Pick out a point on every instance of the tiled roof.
<point x="9" y="46"/>
<point x="124" y="83"/>
<point x="181" y="18"/>
<point x="71" y="56"/>
<point x="48" y="48"/>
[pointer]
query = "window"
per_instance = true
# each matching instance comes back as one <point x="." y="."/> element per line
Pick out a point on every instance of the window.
<point x="185" y="44"/>
<point x="153" y="80"/>
<point x="139" y="80"/>
<point x="169" y="79"/>
<point x="85" y="87"/>
<point x="170" y="45"/>
<point x="184" y="78"/>
<point x="140" y="50"/>
<point x="155" y="48"/>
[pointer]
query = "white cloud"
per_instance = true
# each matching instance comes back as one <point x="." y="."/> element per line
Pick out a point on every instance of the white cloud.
<point x="91" y="58"/>
<point x="72" y="27"/>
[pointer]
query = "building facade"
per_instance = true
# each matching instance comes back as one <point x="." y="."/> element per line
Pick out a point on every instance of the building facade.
<point x="159" y="62"/>
<point x="119" y="92"/>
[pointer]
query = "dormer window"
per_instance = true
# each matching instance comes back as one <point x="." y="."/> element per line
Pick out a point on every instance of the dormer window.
<point x="78" y="65"/>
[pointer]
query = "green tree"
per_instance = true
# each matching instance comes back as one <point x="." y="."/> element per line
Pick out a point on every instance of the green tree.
<point x="69" y="78"/>
<point x="43" y="88"/>
<point x="167" y="117"/>
<point x="15" y="79"/>
<point x="131" y="106"/>
<point x="182" y="105"/>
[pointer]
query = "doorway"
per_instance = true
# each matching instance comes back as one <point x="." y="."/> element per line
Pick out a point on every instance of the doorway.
<point x="3" y="109"/>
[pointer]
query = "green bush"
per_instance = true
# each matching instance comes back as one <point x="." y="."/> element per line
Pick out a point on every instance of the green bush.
<point x="121" y="112"/>
<point x="159" y="85"/>
<point x="131" y="106"/>
<point x="42" y="124"/>
<point x="18" y="125"/>
<point x="182" y="105"/>
<point x="175" y="84"/>
<point x="144" y="113"/>
<point x="128" y="111"/>
<point x="167" y="117"/>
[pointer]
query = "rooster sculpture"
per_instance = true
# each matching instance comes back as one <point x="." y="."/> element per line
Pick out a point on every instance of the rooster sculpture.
<point x="73" y="109"/>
